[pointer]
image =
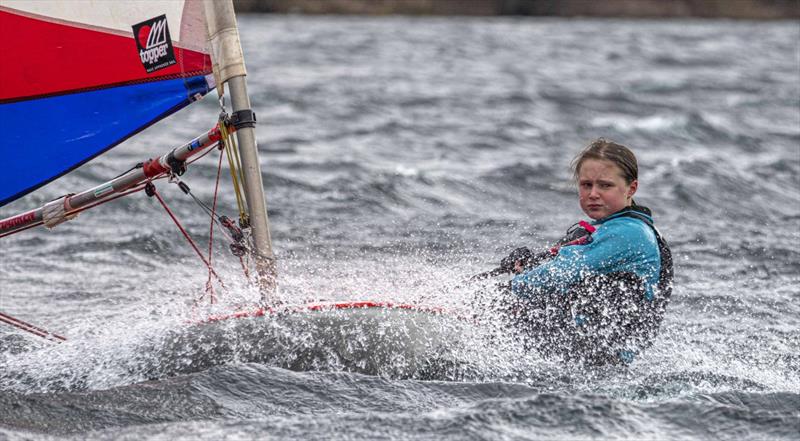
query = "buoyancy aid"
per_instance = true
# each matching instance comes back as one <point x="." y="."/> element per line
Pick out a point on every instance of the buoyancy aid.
<point x="604" y="318"/>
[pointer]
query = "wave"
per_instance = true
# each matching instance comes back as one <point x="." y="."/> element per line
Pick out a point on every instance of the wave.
<point x="257" y="399"/>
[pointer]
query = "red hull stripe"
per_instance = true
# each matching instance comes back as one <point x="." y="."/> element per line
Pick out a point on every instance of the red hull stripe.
<point x="332" y="306"/>
<point x="41" y="58"/>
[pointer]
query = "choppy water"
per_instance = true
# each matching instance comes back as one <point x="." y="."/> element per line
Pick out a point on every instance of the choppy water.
<point x="400" y="156"/>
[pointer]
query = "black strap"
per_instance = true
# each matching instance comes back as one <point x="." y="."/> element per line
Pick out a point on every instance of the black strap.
<point x="667" y="270"/>
<point x="243" y="118"/>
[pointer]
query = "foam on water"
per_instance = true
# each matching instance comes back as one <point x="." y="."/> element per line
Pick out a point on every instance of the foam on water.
<point x="401" y="156"/>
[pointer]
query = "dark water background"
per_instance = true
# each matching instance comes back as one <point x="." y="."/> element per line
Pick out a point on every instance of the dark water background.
<point x="401" y="155"/>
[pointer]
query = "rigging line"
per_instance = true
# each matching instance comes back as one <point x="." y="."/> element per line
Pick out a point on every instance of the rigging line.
<point x="236" y="156"/>
<point x="243" y="214"/>
<point x="151" y="190"/>
<point x="216" y="218"/>
<point x="197" y="200"/>
<point x="210" y="287"/>
<point x="27" y="327"/>
<point x="245" y="270"/>
<point x="194" y="159"/>
<point x="139" y="165"/>
<point x="231" y="151"/>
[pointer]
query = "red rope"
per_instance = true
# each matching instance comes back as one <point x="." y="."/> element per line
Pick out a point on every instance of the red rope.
<point x="209" y="287"/>
<point x="27" y="327"/>
<point x="244" y="269"/>
<point x="186" y="235"/>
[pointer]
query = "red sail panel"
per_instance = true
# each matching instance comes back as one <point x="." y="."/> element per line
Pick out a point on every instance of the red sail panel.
<point x="48" y="58"/>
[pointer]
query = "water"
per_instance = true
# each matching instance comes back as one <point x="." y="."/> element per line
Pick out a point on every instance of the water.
<point x="400" y="156"/>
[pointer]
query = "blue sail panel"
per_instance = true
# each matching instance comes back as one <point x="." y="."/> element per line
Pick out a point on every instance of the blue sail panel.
<point x="47" y="137"/>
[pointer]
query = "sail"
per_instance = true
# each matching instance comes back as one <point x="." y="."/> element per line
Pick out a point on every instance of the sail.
<point x="79" y="77"/>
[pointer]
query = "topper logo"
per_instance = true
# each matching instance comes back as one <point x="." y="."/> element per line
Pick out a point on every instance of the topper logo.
<point x="158" y="33"/>
<point x="155" y="35"/>
<point x="154" y="43"/>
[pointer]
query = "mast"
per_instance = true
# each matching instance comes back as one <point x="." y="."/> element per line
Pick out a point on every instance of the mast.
<point x="226" y="50"/>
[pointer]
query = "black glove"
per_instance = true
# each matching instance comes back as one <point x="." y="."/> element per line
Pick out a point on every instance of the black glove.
<point x="521" y="254"/>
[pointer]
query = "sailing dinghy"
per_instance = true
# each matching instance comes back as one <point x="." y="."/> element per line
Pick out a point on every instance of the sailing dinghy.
<point x="99" y="72"/>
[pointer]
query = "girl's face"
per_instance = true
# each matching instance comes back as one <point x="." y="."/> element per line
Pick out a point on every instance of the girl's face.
<point x="602" y="189"/>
